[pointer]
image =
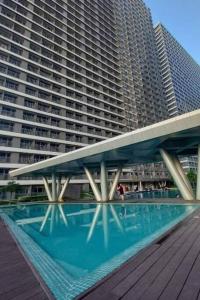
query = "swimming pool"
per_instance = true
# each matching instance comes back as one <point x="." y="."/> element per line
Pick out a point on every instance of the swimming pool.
<point x="74" y="245"/>
<point x="155" y="194"/>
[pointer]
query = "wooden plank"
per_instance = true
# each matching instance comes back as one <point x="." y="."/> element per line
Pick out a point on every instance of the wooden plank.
<point x="38" y="296"/>
<point x="28" y="294"/>
<point x="176" y="283"/>
<point x="20" y="289"/>
<point x="132" y="279"/>
<point x="115" y="277"/>
<point x="162" y="271"/>
<point x="5" y="287"/>
<point x="191" y="287"/>
<point x="18" y="282"/>
<point x="109" y="285"/>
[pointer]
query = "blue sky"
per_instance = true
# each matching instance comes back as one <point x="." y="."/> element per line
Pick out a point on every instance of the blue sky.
<point x="182" y="19"/>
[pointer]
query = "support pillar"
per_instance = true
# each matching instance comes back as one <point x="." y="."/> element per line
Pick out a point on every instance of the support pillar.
<point x="186" y="194"/>
<point x="62" y="192"/>
<point x="46" y="185"/>
<point x="183" y="175"/>
<point x="54" y="188"/>
<point x="93" y="184"/>
<point x="104" y="187"/>
<point x="140" y="186"/>
<point x="59" y="185"/>
<point x="114" y="185"/>
<point x="198" y="175"/>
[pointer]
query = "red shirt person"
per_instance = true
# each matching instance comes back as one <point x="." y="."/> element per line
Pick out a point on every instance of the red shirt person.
<point x="120" y="190"/>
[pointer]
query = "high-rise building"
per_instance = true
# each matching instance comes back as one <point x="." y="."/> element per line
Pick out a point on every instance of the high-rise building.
<point x="139" y="64"/>
<point x="73" y="73"/>
<point x="180" y="74"/>
<point x="60" y="78"/>
<point x="141" y="81"/>
<point x="181" y="79"/>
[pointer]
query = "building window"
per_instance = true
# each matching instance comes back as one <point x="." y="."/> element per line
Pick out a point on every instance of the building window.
<point x="11" y="85"/>
<point x="5" y="141"/>
<point x="4" y="157"/>
<point x="27" y="144"/>
<point x="7" y="111"/>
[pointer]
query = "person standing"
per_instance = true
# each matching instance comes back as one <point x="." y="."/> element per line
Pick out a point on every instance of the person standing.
<point x="120" y="190"/>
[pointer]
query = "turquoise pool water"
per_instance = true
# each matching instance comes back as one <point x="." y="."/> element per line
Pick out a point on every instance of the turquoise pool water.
<point x="74" y="245"/>
<point x="156" y="194"/>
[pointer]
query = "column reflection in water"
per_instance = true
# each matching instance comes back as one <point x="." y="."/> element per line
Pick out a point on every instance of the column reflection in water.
<point x="102" y="212"/>
<point x="84" y="237"/>
<point x="54" y="214"/>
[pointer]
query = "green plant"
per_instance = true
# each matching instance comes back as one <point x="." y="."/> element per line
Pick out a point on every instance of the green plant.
<point x="12" y="187"/>
<point x="192" y="176"/>
<point x="32" y="198"/>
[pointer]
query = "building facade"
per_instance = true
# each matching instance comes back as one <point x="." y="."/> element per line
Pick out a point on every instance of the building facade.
<point x="180" y="74"/>
<point x="141" y="81"/>
<point x="181" y="80"/>
<point x="73" y="73"/>
<point x="139" y="64"/>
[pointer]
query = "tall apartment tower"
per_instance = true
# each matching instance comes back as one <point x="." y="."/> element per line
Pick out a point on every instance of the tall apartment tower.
<point x="73" y="73"/>
<point x="181" y="80"/>
<point x="60" y="79"/>
<point x="139" y="64"/>
<point x="180" y="74"/>
<point x="141" y="81"/>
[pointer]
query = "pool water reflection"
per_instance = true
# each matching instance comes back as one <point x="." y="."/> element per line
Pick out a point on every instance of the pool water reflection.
<point x="83" y="237"/>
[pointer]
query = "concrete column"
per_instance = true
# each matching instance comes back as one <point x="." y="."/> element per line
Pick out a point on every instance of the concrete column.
<point x="140" y="186"/>
<point x="198" y="175"/>
<point x="46" y="185"/>
<point x="182" y="173"/>
<point x="54" y="189"/>
<point x="59" y="184"/>
<point x="62" y="192"/>
<point x="114" y="185"/>
<point x="103" y="179"/>
<point x="186" y="194"/>
<point x="93" y="184"/>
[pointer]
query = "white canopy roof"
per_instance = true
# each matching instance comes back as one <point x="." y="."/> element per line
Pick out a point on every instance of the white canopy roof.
<point x="179" y="135"/>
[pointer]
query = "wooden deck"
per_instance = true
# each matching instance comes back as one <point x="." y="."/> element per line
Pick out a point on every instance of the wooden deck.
<point x="167" y="269"/>
<point x="18" y="280"/>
